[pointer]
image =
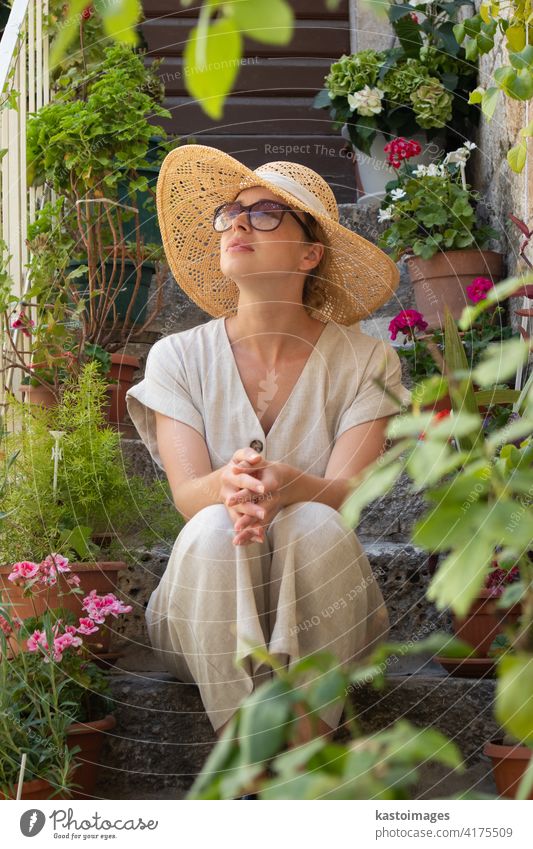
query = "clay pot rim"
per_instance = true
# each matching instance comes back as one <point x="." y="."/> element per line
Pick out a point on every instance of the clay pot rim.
<point x="103" y="565"/>
<point x="497" y="749"/>
<point x="105" y="724"/>
<point x="463" y="251"/>
<point x="31" y="786"/>
<point x="125" y="359"/>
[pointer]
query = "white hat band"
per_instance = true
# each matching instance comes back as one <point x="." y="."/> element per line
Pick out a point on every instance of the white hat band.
<point x="294" y="188"/>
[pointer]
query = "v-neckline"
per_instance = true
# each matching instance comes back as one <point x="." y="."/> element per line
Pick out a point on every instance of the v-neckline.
<point x="299" y="380"/>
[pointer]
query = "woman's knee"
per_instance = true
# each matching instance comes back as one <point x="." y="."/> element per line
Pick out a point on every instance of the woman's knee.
<point x="312" y="518"/>
<point x="210" y="526"/>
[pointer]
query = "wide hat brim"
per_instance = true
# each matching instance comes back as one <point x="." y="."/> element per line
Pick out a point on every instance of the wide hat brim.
<point x="194" y="179"/>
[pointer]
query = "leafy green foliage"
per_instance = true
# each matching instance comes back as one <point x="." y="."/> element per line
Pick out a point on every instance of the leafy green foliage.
<point x="514" y="21"/>
<point x="95" y="493"/>
<point x="38" y="702"/>
<point x="383" y="765"/>
<point x="431" y="210"/>
<point x="92" y="144"/>
<point x="422" y="82"/>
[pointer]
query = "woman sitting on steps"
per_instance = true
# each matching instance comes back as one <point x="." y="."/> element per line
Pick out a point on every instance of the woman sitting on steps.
<point x="259" y="418"/>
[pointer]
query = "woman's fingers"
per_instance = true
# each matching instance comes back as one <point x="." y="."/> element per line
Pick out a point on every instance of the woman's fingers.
<point x="249" y="508"/>
<point x="248" y="535"/>
<point x="244" y="481"/>
<point x="247" y="455"/>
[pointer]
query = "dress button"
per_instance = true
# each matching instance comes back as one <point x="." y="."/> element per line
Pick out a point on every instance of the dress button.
<point x="257" y="445"/>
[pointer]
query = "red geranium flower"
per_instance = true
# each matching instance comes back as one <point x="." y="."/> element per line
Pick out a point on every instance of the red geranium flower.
<point x="443" y="414"/>
<point x="477" y="291"/>
<point x="405" y="322"/>
<point x="400" y="149"/>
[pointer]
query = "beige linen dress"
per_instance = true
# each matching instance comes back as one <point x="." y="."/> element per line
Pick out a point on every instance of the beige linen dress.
<point x="309" y="586"/>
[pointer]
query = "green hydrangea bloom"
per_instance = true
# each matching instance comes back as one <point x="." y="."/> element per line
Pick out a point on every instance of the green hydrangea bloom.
<point x="432" y="104"/>
<point x="402" y="79"/>
<point x="439" y="62"/>
<point x="352" y="73"/>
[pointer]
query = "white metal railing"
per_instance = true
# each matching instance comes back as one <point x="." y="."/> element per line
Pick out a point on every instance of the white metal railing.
<point x="24" y="83"/>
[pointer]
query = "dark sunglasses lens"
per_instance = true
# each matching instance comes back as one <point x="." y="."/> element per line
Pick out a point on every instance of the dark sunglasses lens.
<point x="225" y="216"/>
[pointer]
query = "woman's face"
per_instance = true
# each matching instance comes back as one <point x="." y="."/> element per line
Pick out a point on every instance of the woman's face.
<point x="269" y="254"/>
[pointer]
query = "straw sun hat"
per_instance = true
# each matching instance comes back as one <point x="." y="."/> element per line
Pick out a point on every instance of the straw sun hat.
<point x="357" y="276"/>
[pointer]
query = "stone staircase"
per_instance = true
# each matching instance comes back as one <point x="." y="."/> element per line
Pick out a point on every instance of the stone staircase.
<point x="163" y="736"/>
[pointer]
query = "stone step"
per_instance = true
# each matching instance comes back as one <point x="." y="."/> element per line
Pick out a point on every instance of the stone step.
<point x="402" y="571"/>
<point x="163" y="735"/>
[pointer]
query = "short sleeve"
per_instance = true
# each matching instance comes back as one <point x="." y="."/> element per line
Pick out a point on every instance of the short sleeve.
<point x="370" y="401"/>
<point x="164" y="389"/>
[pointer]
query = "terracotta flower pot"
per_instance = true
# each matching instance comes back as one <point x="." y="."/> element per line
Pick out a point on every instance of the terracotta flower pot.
<point x="484" y="622"/>
<point x="89" y="736"/>
<point x="508" y="766"/>
<point x="99" y="576"/>
<point x="123" y="368"/>
<point x="38" y="395"/>
<point x="442" y="280"/>
<point x="37" y="788"/>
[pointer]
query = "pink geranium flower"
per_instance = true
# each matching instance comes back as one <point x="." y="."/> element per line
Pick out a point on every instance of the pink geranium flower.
<point x="23" y="322"/>
<point x="477" y="291"/>
<point x="23" y="571"/>
<point x="100" y="606"/>
<point x="7" y="627"/>
<point x="57" y="560"/>
<point x="406" y="322"/>
<point x="87" y="626"/>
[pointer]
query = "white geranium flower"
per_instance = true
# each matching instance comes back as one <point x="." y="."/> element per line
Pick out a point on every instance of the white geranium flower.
<point x="385" y="214"/>
<point x="470" y="145"/>
<point x="433" y="170"/>
<point x="397" y="194"/>
<point x="420" y="171"/>
<point x="367" y="101"/>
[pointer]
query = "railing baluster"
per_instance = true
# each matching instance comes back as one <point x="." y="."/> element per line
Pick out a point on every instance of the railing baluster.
<point x="24" y="47"/>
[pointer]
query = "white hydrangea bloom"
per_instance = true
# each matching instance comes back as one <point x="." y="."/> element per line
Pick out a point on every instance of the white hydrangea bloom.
<point x="367" y="101"/>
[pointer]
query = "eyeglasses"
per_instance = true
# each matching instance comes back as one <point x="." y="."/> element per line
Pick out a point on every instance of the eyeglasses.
<point x="262" y="215"/>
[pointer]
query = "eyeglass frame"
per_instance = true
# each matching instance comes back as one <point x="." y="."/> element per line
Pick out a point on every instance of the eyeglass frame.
<point x="280" y="207"/>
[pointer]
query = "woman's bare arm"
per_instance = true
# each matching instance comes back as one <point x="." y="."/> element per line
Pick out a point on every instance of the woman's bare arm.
<point x="187" y="464"/>
<point x="355" y="449"/>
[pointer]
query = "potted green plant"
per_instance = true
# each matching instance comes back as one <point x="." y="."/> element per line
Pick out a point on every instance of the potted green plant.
<point x="71" y="490"/>
<point x="55" y="700"/>
<point x="478" y="494"/>
<point x="431" y="215"/>
<point x="423" y="351"/>
<point x="510" y="761"/>
<point x="91" y="163"/>
<point x="484" y="625"/>
<point x="58" y="345"/>
<point x="415" y="88"/>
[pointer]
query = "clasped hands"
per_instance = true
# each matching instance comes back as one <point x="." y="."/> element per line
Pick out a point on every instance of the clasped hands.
<point x="252" y="491"/>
